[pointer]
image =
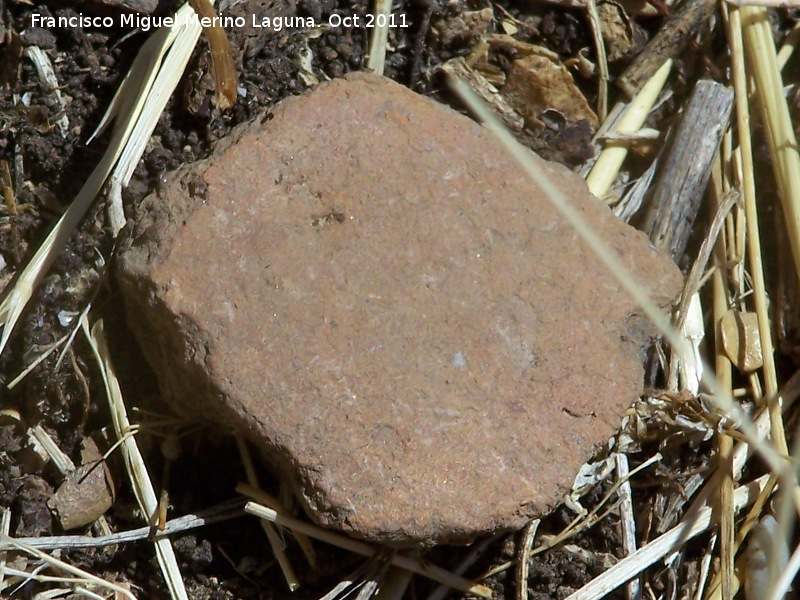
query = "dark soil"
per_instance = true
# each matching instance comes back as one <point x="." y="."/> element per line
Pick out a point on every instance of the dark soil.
<point x="230" y="559"/>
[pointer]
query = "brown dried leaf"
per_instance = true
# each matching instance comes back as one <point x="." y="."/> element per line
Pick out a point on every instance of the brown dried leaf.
<point x="741" y="340"/>
<point x="540" y="83"/>
<point x="458" y="67"/>
<point x="621" y="35"/>
<point x="524" y="48"/>
<point x="581" y="63"/>
<point x="87" y="493"/>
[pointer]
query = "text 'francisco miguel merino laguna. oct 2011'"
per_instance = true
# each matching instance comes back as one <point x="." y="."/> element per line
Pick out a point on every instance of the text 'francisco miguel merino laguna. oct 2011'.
<point x="278" y="23"/>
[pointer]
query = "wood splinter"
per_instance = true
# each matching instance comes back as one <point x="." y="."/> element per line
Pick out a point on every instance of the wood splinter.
<point x="669" y="42"/>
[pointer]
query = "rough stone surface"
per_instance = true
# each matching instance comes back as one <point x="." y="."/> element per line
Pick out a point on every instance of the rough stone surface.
<point x="366" y="285"/>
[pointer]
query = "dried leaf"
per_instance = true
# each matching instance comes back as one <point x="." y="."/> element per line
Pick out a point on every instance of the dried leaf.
<point x="621" y="35"/>
<point x="540" y="83"/>
<point x="87" y="493"/>
<point x="741" y="340"/>
<point x="458" y="67"/>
